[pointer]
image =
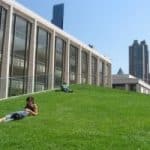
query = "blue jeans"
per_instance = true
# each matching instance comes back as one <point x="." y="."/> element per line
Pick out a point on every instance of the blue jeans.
<point x="22" y="114"/>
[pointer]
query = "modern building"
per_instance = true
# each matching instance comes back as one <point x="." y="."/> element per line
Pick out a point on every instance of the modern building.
<point x="139" y="60"/>
<point x="58" y="15"/>
<point x="130" y="83"/>
<point x="35" y="55"/>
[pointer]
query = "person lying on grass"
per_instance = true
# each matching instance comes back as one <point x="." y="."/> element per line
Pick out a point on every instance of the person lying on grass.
<point x="65" y="88"/>
<point x="31" y="109"/>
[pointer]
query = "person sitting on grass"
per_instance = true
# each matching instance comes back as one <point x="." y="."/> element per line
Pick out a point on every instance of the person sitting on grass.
<point x="65" y="88"/>
<point x="31" y="109"/>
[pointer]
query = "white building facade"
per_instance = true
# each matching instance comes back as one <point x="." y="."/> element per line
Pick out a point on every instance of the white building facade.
<point x="35" y="55"/>
<point x="130" y="83"/>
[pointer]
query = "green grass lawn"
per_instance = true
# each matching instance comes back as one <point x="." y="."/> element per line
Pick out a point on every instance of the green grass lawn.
<point x="91" y="118"/>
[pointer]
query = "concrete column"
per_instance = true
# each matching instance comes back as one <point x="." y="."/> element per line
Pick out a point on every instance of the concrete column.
<point x="127" y="87"/>
<point x="97" y="73"/>
<point x="79" y="65"/>
<point x="138" y="88"/>
<point x="110" y="76"/>
<point x="90" y="69"/>
<point x="107" y="75"/>
<point x="31" y="72"/>
<point x="66" y="76"/>
<point x="52" y="62"/>
<point x="4" y="84"/>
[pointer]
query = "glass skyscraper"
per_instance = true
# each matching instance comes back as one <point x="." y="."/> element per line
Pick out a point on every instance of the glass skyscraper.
<point x="139" y="60"/>
<point x="58" y="15"/>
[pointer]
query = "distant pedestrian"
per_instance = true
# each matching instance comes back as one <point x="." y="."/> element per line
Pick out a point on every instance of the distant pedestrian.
<point x="65" y="88"/>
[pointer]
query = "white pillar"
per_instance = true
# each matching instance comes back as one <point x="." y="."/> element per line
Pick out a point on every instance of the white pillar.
<point x="126" y="87"/>
<point x="138" y="88"/>
<point x="79" y="65"/>
<point x="4" y="86"/>
<point x="31" y="72"/>
<point x="51" y="63"/>
<point x="90" y="69"/>
<point x="110" y="76"/>
<point x="105" y="74"/>
<point x="66" y="75"/>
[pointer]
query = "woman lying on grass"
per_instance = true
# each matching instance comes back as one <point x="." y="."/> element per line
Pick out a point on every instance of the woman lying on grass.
<point x="31" y="109"/>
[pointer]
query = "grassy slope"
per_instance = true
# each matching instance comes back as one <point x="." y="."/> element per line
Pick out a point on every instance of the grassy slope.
<point x="90" y="119"/>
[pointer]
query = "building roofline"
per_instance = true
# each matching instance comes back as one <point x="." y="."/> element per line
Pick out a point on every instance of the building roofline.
<point x="37" y="17"/>
<point x="127" y="78"/>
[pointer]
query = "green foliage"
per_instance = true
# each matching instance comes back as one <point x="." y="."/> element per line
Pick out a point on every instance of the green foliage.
<point x="91" y="118"/>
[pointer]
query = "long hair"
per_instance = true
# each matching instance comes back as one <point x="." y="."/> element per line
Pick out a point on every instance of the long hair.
<point x="28" y="105"/>
<point x="31" y="99"/>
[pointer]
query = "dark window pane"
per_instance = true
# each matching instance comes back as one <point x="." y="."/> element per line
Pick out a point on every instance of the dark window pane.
<point x="42" y="56"/>
<point x="94" y="70"/>
<point x="60" y="47"/>
<point x="101" y="65"/>
<point x="102" y="73"/>
<point x="2" y="32"/>
<point x="19" y="56"/>
<point x="73" y="64"/>
<point x="84" y="67"/>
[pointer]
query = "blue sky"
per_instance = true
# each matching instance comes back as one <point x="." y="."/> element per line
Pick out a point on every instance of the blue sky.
<point x="110" y="25"/>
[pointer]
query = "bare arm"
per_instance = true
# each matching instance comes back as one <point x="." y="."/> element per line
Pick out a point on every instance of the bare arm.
<point x="33" y="113"/>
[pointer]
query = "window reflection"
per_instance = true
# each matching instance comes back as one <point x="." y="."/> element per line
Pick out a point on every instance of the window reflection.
<point x="3" y="14"/>
<point x="73" y="64"/>
<point x="60" y="47"/>
<point x="101" y="72"/>
<point x="19" y="56"/>
<point x="42" y="57"/>
<point x="94" y="70"/>
<point x="84" y="67"/>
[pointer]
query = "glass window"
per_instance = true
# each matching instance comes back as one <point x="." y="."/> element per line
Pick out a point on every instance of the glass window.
<point x="94" y="70"/>
<point x="60" y="48"/>
<point x="42" y="57"/>
<point x="73" y="64"/>
<point x="101" y="73"/>
<point x="3" y="14"/>
<point x="19" y="56"/>
<point x="84" y="67"/>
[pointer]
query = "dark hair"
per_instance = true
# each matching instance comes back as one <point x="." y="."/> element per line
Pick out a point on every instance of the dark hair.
<point x="30" y="98"/>
<point x="28" y="105"/>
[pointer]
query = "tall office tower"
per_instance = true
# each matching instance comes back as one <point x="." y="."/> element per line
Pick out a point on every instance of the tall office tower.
<point x="58" y="15"/>
<point x="139" y="60"/>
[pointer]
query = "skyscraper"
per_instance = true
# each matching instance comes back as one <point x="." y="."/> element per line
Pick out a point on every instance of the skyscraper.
<point x="58" y="15"/>
<point x="139" y="60"/>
